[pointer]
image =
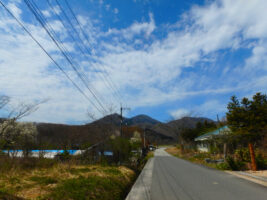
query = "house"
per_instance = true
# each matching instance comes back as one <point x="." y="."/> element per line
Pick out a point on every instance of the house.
<point x="203" y="141"/>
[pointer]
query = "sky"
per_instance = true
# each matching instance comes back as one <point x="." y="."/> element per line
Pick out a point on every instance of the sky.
<point x="163" y="58"/>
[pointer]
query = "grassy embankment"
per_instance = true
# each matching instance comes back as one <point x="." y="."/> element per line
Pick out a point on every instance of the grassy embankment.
<point x="66" y="181"/>
<point x="239" y="161"/>
<point x="195" y="157"/>
<point x="149" y="155"/>
<point x="35" y="178"/>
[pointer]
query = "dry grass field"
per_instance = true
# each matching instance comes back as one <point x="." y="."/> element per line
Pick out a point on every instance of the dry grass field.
<point x="66" y="181"/>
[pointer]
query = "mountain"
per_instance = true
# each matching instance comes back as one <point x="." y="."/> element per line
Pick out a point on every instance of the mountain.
<point x="187" y="122"/>
<point x="158" y="131"/>
<point x="62" y="135"/>
<point x="115" y="119"/>
<point x="173" y="128"/>
<point x="140" y="120"/>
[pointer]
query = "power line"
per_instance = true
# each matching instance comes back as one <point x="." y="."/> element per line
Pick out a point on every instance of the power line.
<point x="62" y="49"/>
<point x="88" y="51"/>
<point x="85" y="36"/>
<point x="108" y="79"/>
<point x="83" y="76"/>
<point x="32" y="9"/>
<point x="71" y="35"/>
<point x="55" y="62"/>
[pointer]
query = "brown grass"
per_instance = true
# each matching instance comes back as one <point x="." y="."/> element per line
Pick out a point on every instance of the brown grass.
<point x="173" y="151"/>
<point x="37" y="183"/>
<point x="193" y="156"/>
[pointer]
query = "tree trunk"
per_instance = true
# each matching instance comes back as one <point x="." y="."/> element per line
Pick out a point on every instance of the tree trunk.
<point x="182" y="147"/>
<point x="252" y="156"/>
<point x="224" y="150"/>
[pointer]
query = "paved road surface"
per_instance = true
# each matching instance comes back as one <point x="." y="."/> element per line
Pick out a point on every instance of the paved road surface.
<point x="174" y="178"/>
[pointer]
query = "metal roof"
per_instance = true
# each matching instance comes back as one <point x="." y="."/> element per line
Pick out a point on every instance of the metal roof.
<point x="211" y="133"/>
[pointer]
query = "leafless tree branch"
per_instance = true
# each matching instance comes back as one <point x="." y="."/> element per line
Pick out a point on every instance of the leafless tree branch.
<point x="4" y="100"/>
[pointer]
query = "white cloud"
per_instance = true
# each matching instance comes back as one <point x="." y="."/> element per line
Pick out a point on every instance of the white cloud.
<point x="146" y="73"/>
<point x="14" y="9"/>
<point x="211" y="107"/>
<point x="180" y="113"/>
<point x="116" y="10"/>
<point x="135" y="29"/>
<point x="46" y="13"/>
<point x="258" y="58"/>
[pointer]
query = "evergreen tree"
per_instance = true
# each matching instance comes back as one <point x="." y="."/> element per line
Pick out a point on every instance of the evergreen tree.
<point x="248" y="119"/>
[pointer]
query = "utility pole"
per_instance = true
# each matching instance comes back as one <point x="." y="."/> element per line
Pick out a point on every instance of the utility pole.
<point x="218" y="119"/>
<point x="122" y="109"/>
<point x="144" y="138"/>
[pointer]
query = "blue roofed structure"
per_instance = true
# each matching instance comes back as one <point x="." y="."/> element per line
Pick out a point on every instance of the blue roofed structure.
<point x="202" y="141"/>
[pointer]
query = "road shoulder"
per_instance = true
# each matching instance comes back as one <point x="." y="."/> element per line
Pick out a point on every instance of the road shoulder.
<point x="142" y="186"/>
<point x="247" y="176"/>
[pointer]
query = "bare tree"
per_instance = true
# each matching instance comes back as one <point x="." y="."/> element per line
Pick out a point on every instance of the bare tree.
<point x="4" y="100"/>
<point x="23" y="110"/>
<point x="10" y="130"/>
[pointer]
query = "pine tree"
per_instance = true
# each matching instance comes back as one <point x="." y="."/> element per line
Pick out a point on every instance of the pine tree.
<point x="249" y="120"/>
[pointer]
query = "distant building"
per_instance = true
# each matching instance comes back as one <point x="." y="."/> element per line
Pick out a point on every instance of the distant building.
<point x="203" y="141"/>
<point x="137" y="137"/>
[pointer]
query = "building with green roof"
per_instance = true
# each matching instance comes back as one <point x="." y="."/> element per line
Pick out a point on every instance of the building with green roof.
<point x="203" y="141"/>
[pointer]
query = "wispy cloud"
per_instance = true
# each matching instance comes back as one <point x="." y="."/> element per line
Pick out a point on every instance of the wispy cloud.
<point x="148" y="70"/>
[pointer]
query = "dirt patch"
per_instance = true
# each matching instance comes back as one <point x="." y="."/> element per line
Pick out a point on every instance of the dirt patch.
<point x="260" y="173"/>
<point x="173" y="151"/>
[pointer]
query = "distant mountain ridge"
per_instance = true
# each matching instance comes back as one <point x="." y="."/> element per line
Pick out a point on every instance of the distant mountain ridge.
<point x="94" y="132"/>
<point x="136" y="120"/>
<point x="170" y="129"/>
<point x="141" y="119"/>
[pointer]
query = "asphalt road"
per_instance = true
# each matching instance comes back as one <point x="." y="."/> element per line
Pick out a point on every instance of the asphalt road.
<point x="174" y="178"/>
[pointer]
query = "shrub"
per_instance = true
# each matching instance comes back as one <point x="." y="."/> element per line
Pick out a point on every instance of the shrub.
<point x="202" y="156"/>
<point x="88" y="188"/>
<point x="235" y="165"/>
<point x="223" y="166"/>
<point x="261" y="162"/>
<point x="243" y="154"/>
<point x="65" y="156"/>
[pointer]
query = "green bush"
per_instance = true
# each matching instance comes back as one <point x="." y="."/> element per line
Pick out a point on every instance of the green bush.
<point x="235" y="165"/>
<point x="65" y="156"/>
<point x="88" y="188"/>
<point x="202" y="156"/>
<point x="261" y="162"/>
<point x="223" y="166"/>
<point x="243" y="154"/>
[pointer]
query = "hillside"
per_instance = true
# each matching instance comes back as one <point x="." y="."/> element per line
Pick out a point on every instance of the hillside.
<point x="140" y="120"/>
<point x="115" y="119"/>
<point x="62" y="135"/>
<point x="158" y="132"/>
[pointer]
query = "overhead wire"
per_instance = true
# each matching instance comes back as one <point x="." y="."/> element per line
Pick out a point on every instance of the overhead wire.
<point x="83" y="76"/>
<point x="107" y="78"/>
<point x="48" y="54"/>
<point x="71" y="35"/>
<point x="85" y="36"/>
<point x="32" y="9"/>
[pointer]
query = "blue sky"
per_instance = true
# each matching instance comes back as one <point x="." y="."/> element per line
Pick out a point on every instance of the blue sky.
<point x="166" y="58"/>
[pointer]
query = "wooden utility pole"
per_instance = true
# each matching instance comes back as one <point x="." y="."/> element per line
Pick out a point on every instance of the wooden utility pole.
<point x="224" y="150"/>
<point x="144" y="138"/>
<point x="121" y="110"/>
<point x="252" y="156"/>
